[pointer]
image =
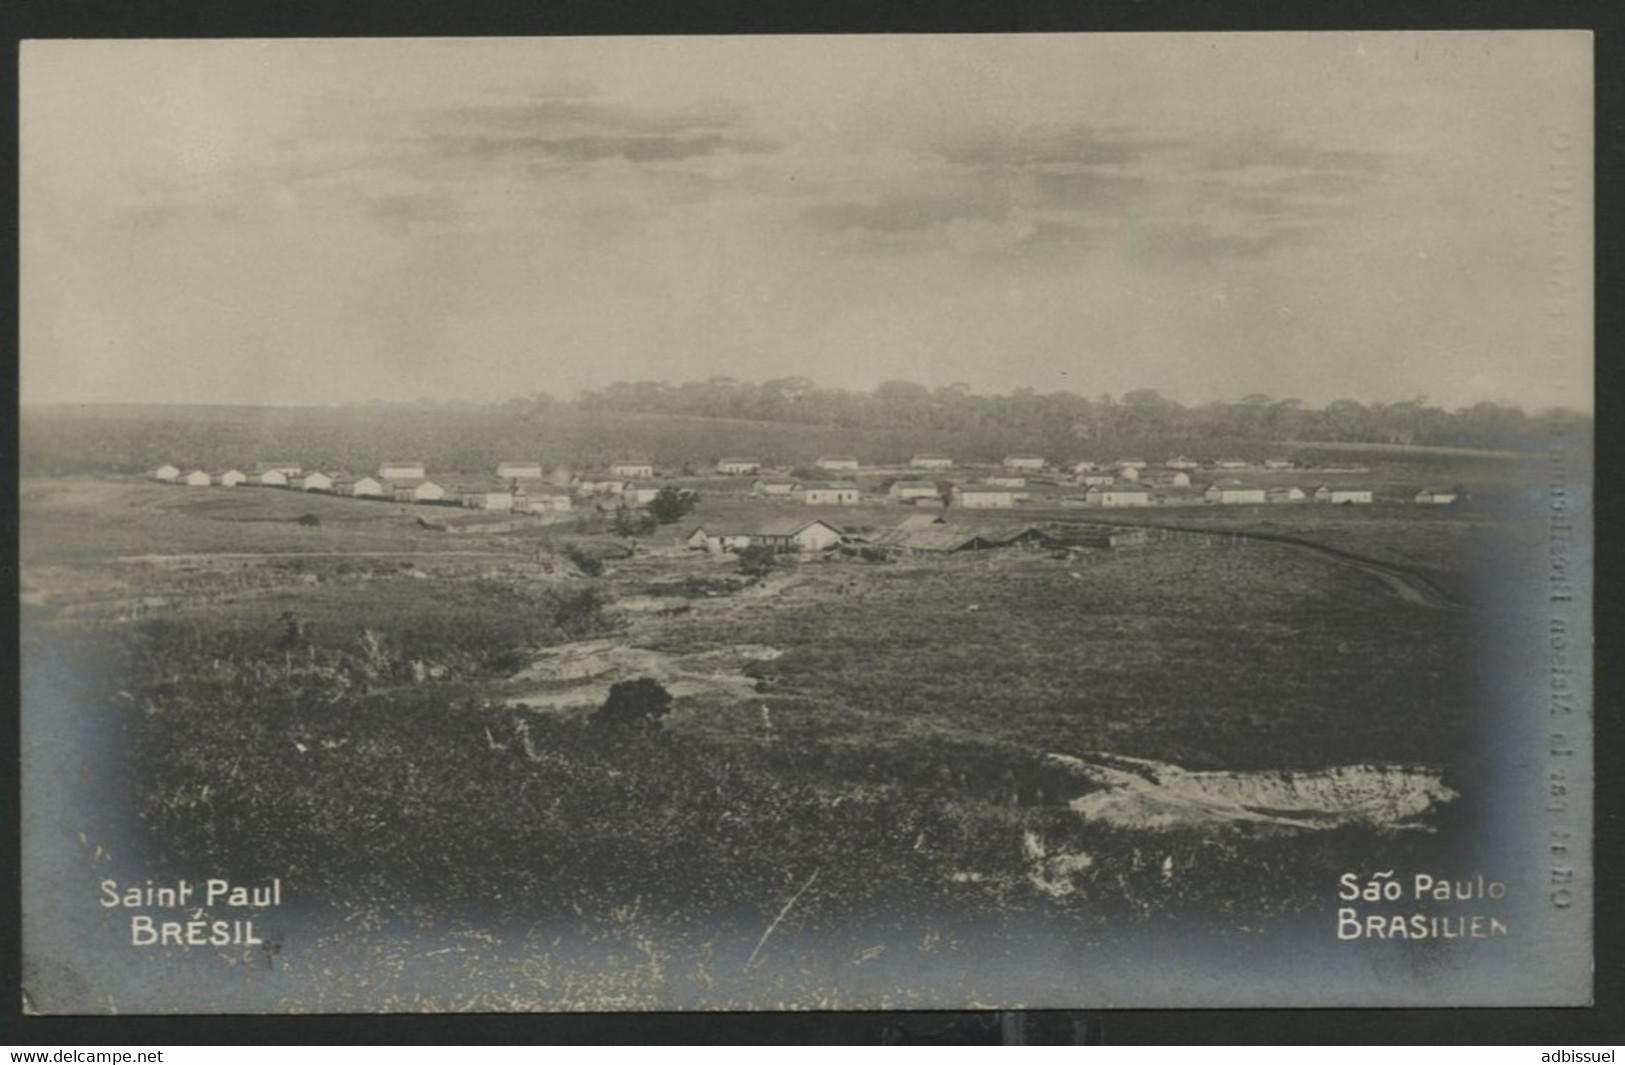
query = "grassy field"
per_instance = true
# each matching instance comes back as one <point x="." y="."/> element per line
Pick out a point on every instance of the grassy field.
<point x="1110" y="651"/>
<point x="353" y="705"/>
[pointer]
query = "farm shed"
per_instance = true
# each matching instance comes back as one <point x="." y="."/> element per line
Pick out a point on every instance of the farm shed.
<point x="519" y="471"/>
<point x="1436" y="496"/>
<point x="1169" y="479"/>
<point x="1277" y="464"/>
<point x="738" y="466"/>
<point x="1182" y="462"/>
<point x="485" y="497"/>
<point x="314" y="481"/>
<point x="1129" y="474"/>
<point x="196" y="479"/>
<point x="1118" y="497"/>
<point x="424" y="491"/>
<point x="828" y="493"/>
<point x="232" y="478"/>
<point x="774" y="487"/>
<point x="1327" y="494"/>
<point x="600" y="484"/>
<point x="640" y="494"/>
<point x="364" y="486"/>
<point x="946" y="538"/>
<point x="931" y="462"/>
<point x="1232" y="464"/>
<point x="632" y="469"/>
<point x="717" y="541"/>
<point x="837" y="462"/>
<point x="1096" y="480"/>
<point x="1130" y="464"/>
<point x="1024" y="462"/>
<point x="1107" y="539"/>
<point x="909" y="491"/>
<point x="401" y="471"/>
<point x="1006" y="480"/>
<point x="270" y="478"/>
<point x="796" y="535"/>
<point x="1285" y="494"/>
<point x="981" y="497"/>
<point x="1083" y="466"/>
<point x="165" y="473"/>
<point x="783" y="535"/>
<point x="541" y="502"/>
<point x="1233" y="492"/>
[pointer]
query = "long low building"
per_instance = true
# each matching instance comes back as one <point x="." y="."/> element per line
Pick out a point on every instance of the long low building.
<point x="369" y="487"/>
<point x="541" y="501"/>
<point x="833" y="493"/>
<point x="486" y="497"/>
<point x="942" y="537"/>
<point x="774" y="487"/>
<point x="1234" y="493"/>
<point x="1118" y="496"/>
<point x="910" y="491"/>
<point x="983" y="497"/>
<point x="424" y="491"/>
<point x="401" y="471"/>
<point x="783" y="535"/>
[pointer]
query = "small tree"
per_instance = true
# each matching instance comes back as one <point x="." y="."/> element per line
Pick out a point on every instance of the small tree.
<point x="579" y="612"/>
<point x="671" y="505"/>
<point x="587" y="562"/>
<point x="757" y="560"/>
<point x="634" y="704"/>
<point x="624" y="521"/>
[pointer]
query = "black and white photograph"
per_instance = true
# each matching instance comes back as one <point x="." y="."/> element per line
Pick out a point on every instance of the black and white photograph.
<point x="892" y="522"/>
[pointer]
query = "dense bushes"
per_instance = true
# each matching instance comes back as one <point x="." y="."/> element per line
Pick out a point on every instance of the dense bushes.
<point x="634" y="704"/>
<point x="296" y="762"/>
<point x="757" y="560"/>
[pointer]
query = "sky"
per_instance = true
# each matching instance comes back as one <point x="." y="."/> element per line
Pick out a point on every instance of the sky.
<point x="1374" y="216"/>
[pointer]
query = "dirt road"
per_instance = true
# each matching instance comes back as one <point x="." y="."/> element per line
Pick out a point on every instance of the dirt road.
<point x="1407" y="583"/>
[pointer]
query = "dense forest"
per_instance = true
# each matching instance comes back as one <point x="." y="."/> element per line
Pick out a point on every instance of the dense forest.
<point x="1138" y="414"/>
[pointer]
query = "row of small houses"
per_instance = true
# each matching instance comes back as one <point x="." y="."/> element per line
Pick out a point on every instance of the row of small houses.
<point x="401" y="482"/>
<point x="1128" y="469"/>
<point x="518" y="488"/>
<point x="1003" y="493"/>
<point x="922" y="534"/>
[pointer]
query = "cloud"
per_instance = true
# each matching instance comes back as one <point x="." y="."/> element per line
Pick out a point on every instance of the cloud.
<point x="555" y="113"/>
<point x="596" y="147"/>
<point x="1090" y="191"/>
<point x="1080" y="189"/>
<point x="902" y="214"/>
<point x="1271" y="151"/>
<point x="1197" y="241"/>
<point x="1070" y="146"/>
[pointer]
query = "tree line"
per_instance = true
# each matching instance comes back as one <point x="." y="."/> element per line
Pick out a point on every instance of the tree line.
<point x="1141" y="413"/>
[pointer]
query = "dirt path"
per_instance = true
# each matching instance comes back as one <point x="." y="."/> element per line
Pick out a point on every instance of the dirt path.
<point x="1404" y="582"/>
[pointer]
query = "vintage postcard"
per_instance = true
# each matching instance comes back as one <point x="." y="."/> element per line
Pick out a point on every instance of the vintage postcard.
<point x="875" y="522"/>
